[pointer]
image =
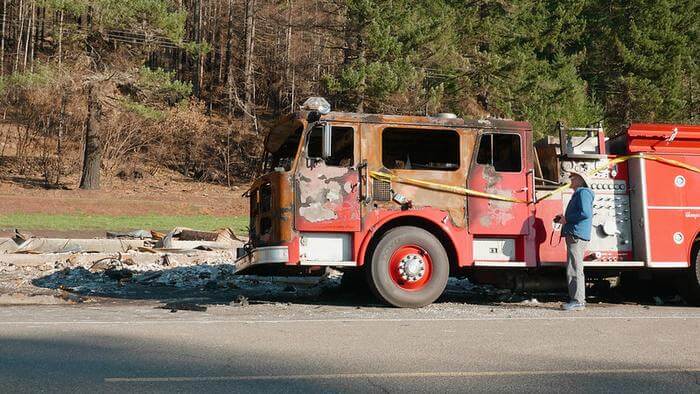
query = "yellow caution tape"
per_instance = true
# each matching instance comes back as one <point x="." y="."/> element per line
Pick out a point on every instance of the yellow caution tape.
<point x="389" y="177"/>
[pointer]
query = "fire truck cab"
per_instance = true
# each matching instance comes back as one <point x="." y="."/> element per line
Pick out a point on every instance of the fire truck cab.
<point x="408" y="201"/>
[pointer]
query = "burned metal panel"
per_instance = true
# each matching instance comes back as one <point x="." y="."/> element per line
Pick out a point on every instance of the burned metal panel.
<point x="420" y="197"/>
<point x="327" y="197"/>
<point x="282" y="130"/>
<point x="271" y="209"/>
<point x="430" y="121"/>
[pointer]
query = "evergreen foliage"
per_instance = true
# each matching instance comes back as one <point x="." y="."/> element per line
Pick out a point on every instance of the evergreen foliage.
<point x="160" y="86"/>
<point x="642" y="59"/>
<point x="213" y="64"/>
<point x="579" y="61"/>
<point x="156" y="16"/>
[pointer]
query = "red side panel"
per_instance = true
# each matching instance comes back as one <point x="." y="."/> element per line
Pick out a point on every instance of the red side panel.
<point x="668" y="138"/>
<point x="492" y="217"/>
<point x="672" y="198"/>
<point x="673" y="201"/>
<point x="550" y="244"/>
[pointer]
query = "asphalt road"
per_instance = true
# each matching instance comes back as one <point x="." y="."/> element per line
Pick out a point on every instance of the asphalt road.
<point x="279" y="347"/>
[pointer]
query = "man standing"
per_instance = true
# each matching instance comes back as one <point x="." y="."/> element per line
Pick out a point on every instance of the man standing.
<point x="577" y="221"/>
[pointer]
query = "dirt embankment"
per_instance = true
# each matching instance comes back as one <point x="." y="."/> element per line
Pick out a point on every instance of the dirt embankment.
<point x="167" y="193"/>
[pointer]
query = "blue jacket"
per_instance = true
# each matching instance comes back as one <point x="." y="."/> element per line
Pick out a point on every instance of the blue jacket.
<point x="579" y="214"/>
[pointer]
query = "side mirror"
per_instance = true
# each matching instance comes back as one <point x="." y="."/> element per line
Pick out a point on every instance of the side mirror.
<point x="326" y="141"/>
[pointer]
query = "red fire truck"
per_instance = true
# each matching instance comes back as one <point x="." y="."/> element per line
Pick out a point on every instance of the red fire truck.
<point x="407" y="201"/>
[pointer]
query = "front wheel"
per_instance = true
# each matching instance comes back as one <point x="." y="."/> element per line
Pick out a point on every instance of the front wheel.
<point x="409" y="268"/>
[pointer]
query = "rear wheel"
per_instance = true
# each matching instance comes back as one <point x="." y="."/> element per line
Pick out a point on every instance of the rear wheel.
<point x="691" y="289"/>
<point x="409" y="268"/>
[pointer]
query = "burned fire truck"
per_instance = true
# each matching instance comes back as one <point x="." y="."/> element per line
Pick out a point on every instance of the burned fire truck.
<point x="407" y="201"/>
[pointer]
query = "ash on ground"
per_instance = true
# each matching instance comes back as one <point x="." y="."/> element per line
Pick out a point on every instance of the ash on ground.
<point x="193" y="287"/>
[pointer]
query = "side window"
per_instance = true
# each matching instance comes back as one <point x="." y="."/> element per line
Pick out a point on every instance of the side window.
<point x="502" y="151"/>
<point x="485" y="150"/>
<point x="342" y="145"/>
<point x="420" y="149"/>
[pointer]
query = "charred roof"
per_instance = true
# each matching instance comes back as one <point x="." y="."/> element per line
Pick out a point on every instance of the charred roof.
<point x="423" y="120"/>
<point x="289" y="123"/>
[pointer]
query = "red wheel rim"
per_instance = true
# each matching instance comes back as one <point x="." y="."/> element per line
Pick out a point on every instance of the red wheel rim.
<point x="410" y="267"/>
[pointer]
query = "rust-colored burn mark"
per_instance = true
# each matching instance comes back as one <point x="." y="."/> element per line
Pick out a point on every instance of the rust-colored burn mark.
<point x="276" y="220"/>
<point x="453" y="204"/>
<point x="323" y="192"/>
<point x="499" y="212"/>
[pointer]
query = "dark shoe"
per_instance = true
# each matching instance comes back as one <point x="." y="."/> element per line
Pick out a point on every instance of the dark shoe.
<point x="573" y="306"/>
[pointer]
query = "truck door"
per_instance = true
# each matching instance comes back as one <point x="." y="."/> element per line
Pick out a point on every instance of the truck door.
<point x="326" y="189"/>
<point x="499" y="168"/>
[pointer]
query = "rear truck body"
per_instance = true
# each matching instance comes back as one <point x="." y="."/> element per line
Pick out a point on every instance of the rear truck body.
<point x="410" y="200"/>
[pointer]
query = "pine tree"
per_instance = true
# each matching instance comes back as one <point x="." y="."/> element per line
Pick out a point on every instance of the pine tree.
<point x="396" y="54"/>
<point x="528" y="53"/>
<point x="642" y="59"/>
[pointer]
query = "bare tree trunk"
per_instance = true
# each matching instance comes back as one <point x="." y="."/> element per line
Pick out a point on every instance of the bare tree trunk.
<point x="93" y="145"/>
<point x="2" y="43"/>
<point x="35" y="30"/>
<point x="43" y="26"/>
<point x="2" y="40"/>
<point x="229" y="59"/>
<point x="60" y="40"/>
<point x="202" y="56"/>
<point x="249" y="48"/>
<point x="30" y="26"/>
<point x="19" y="39"/>
<point x="211" y="24"/>
<point x="229" y="80"/>
<point x="288" y="65"/>
<point x="59" y="145"/>
<point x="197" y="88"/>
<point x="363" y="84"/>
<point x="227" y="158"/>
<point x="293" y="100"/>
<point x="92" y="156"/>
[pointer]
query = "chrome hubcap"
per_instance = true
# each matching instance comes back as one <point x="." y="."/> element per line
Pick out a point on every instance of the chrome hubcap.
<point x="412" y="267"/>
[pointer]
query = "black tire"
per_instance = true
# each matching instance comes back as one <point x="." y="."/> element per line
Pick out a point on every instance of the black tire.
<point x="387" y="289"/>
<point x="691" y="290"/>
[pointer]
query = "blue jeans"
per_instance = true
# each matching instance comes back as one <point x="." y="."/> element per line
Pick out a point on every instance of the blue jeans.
<point x="576" y="281"/>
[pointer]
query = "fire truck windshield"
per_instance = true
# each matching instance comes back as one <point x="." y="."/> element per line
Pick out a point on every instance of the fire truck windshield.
<point x="284" y="155"/>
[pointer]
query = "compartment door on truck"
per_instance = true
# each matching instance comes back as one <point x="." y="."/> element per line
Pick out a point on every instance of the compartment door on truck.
<point x="326" y="190"/>
<point x="499" y="168"/>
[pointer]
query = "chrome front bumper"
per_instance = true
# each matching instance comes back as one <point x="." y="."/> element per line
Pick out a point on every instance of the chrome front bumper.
<point x="262" y="255"/>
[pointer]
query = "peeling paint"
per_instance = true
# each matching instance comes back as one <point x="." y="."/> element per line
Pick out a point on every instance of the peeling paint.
<point x="333" y="172"/>
<point x="333" y="192"/>
<point x="324" y="192"/>
<point x="499" y="212"/>
<point x="317" y="212"/>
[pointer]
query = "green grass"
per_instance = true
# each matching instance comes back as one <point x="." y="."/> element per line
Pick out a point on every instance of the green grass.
<point x="45" y="221"/>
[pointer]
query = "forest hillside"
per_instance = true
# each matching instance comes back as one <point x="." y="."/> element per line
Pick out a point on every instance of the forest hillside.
<point x="131" y="88"/>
